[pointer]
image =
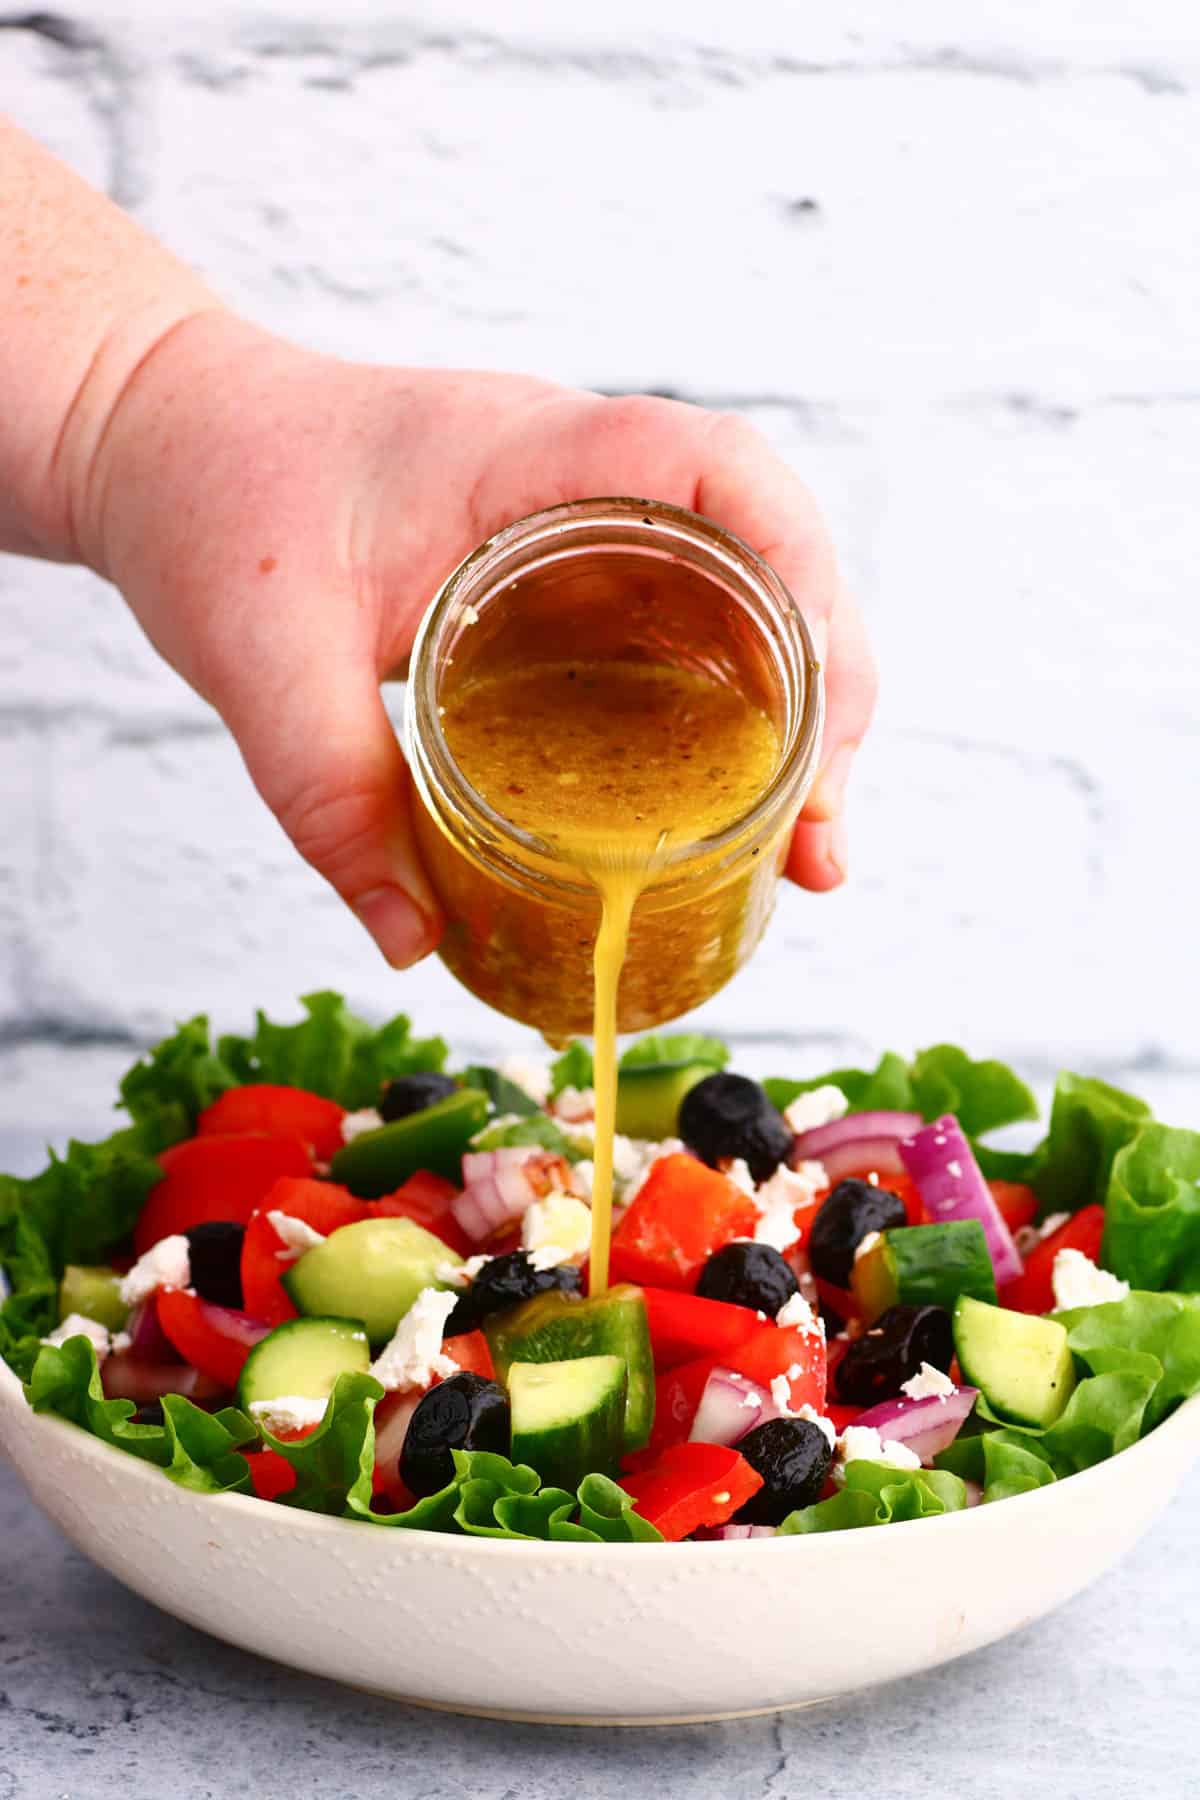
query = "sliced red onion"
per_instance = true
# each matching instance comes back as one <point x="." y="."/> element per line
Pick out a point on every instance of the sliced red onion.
<point x="500" y="1185"/>
<point x="730" y="1406"/>
<point x="815" y="1145"/>
<point x="734" y="1533"/>
<point x="879" y="1155"/>
<point x="926" y="1426"/>
<point x="126" y="1376"/>
<point x="147" y="1339"/>
<point x="942" y="1165"/>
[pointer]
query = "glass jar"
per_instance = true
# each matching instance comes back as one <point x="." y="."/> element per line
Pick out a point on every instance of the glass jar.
<point x="598" y="580"/>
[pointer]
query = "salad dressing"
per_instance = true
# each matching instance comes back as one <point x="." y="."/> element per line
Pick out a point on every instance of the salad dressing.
<point x="610" y="763"/>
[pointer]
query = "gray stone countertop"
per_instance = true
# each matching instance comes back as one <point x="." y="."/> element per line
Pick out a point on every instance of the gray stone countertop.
<point x="101" y="1694"/>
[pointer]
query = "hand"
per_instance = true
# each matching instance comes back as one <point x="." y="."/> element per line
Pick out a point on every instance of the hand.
<point x="278" y="521"/>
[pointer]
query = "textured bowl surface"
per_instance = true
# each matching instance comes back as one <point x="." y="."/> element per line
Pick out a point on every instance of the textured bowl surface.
<point x="592" y="1633"/>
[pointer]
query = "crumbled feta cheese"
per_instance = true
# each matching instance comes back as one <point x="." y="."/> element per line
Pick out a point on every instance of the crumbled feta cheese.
<point x="778" y="1198"/>
<point x="355" y="1123"/>
<point x="122" y="1341"/>
<point x="862" y="1443"/>
<point x="288" y="1412"/>
<point x="820" y="1106"/>
<point x="815" y="1418"/>
<point x="167" y="1264"/>
<point x="575" y="1106"/>
<point x="1030" y="1236"/>
<point x="459" y="1274"/>
<point x="928" y="1383"/>
<point x="738" y="1171"/>
<point x="76" y="1325"/>
<point x="1051" y="1223"/>
<point x="296" y="1234"/>
<point x="414" y="1356"/>
<point x="1078" y="1282"/>
<point x="867" y="1244"/>
<point x="560" y="1223"/>
<point x="525" y="1073"/>
<point x="633" y="1159"/>
<point x="799" y="1313"/>
<point x="582" y="1175"/>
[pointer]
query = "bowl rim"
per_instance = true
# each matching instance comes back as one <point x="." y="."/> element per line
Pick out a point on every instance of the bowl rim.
<point x="1182" y="1423"/>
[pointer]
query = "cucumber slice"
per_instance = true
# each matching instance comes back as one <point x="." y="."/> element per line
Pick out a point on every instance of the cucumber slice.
<point x="303" y="1356"/>
<point x="557" y="1327"/>
<point x="649" y="1097"/>
<point x="94" y="1292"/>
<point x="924" y="1265"/>
<point x="568" y="1418"/>
<point x="372" y="1271"/>
<point x="1021" y="1364"/>
<point x="377" y="1162"/>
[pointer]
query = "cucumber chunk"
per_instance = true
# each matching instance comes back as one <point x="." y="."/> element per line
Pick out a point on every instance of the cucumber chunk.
<point x="94" y="1292"/>
<point x="924" y="1265"/>
<point x="568" y="1418"/>
<point x="372" y="1271"/>
<point x="558" y="1327"/>
<point x="649" y="1097"/>
<point x="1021" y="1364"/>
<point x="303" y="1356"/>
<point x="377" y="1162"/>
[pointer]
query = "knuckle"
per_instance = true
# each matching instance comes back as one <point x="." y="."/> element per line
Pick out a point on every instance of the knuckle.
<point x="334" y="823"/>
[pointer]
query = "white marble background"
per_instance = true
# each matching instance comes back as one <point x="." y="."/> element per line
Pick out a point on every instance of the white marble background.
<point x="946" y="257"/>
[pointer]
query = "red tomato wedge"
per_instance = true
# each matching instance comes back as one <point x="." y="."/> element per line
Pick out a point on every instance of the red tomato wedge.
<point x="214" y="1339"/>
<point x="684" y="1326"/>
<point x="270" y="1474"/>
<point x="264" y="1260"/>
<point x="215" y="1178"/>
<point x="682" y="1213"/>
<point x="771" y="1351"/>
<point x="286" y="1112"/>
<point x="321" y="1204"/>
<point x="1033" y="1292"/>
<point x="470" y="1351"/>
<point x="692" y="1485"/>
<point x="1018" y="1204"/>
<point x="425" y="1199"/>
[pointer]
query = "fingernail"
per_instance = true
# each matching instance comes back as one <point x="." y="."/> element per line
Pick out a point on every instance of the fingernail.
<point x="825" y="801"/>
<point x="838" y="844"/>
<point x="396" y="923"/>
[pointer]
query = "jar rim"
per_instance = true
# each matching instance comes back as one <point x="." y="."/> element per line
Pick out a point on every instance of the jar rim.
<point x="426" y="746"/>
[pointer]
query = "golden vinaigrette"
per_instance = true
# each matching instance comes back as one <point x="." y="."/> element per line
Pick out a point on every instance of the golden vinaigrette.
<point x="609" y="763"/>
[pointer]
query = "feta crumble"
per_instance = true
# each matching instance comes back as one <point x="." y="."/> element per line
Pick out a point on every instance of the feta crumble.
<point x="928" y="1384"/>
<point x="799" y="1313"/>
<point x="533" y="1077"/>
<point x="867" y="1244"/>
<point x="459" y="1274"/>
<point x="288" y="1412"/>
<point x="367" y="1118"/>
<point x="582" y="1175"/>
<point x="76" y="1325"/>
<point x="820" y="1106"/>
<point x="1078" y="1282"/>
<point x="414" y="1355"/>
<point x="738" y="1171"/>
<point x="814" y="1418"/>
<point x="296" y="1234"/>
<point x="559" y="1223"/>
<point x="167" y="1264"/>
<point x="862" y="1443"/>
<point x="633" y="1159"/>
<point x="575" y="1106"/>
<point x="778" y="1198"/>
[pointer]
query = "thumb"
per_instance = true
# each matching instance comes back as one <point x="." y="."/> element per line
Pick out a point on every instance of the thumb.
<point x="324" y="757"/>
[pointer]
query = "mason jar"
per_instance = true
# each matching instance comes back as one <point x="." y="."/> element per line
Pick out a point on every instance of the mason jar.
<point x="597" y="581"/>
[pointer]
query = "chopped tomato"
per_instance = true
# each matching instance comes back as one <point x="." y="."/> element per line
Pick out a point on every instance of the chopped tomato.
<point x="265" y="1258"/>
<point x="838" y="1300"/>
<point x="470" y="1351"/>
<point x="676" y="1398"/>
<point x="1033" y="1292"/>
<point x="271" y="1474"/>
<point x="286" y="1112"/>
<point x="770" y="1351"/>
<point x="682" y="1213"/>
<point x="683" y="1326"/>
<point x="426" y="1199"/>
<point x="215" y="1178"/>
<point x="692" y="1485"/>
<point x="321" y="1204"/>
<point x="841" y="1416"/>
<point x="214" y="1339"/>
<point x="1018" y="1204"/>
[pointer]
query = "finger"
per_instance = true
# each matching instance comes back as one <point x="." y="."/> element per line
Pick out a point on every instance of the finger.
<point x="322" y="753"/>
<point x="817" y="856"/>
<point x="851" y="685"/>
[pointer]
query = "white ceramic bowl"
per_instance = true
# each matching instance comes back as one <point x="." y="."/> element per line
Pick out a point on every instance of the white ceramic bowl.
<point x="597" y="1634"/>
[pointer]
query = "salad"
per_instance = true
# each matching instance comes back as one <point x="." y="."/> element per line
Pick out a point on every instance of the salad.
<point x="317" y="1268"/>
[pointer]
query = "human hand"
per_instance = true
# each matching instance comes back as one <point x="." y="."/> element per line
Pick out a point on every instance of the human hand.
<point x="279" y="520"/>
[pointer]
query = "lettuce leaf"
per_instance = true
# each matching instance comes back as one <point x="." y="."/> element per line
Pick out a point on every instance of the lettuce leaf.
<point x="506" y="1096"/>
<point x="1140" y="1329"/>
<point x="30" y="1310"/>
<point x="485" y="1482"/>
<point x="84" y="1202"/>
<point x="675" y="1047"/>
<point x="331" y="1052"/>
<point x="193" y="1448"/>
<point x="335" y="1464"/>
<point x="1089" y="1123"/>
<point x="574" y="1069"/>
<point x="942" y="1079"/>
<point x="166" y="1090"/>
<point x="1152" y="1210"/>
<point x="877" y="1494"/>
<point x="538" y="1128"/>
